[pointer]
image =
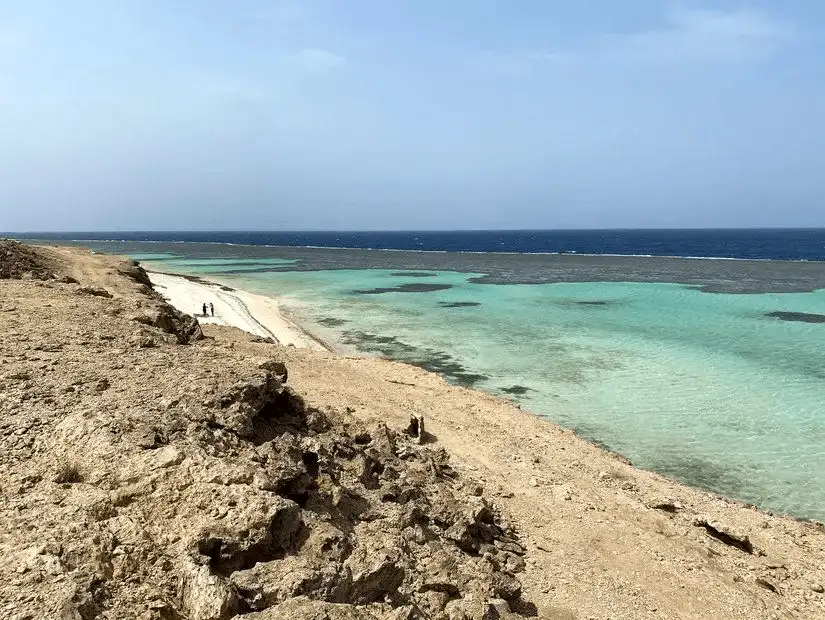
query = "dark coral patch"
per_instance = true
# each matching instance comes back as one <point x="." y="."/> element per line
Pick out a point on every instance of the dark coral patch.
<point x="517" y="390"/>
<point x="459" y="304"/>
<point x="426" y="358"/>
<point x="330" y="321"/>
<point x="801" y="317"/>
<point x="405" y="288"/>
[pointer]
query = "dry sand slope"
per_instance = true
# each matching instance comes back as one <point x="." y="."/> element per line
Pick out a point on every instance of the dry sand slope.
<point x="149" y="472"/>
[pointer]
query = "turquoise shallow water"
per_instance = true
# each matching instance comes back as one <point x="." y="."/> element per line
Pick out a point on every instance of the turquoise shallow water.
<point x="701" y="386"/>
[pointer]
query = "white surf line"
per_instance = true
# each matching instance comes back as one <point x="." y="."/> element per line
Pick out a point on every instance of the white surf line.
<point x="241" y="307"/>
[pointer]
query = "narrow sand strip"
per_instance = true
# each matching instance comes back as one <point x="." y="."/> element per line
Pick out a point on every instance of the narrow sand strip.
<point x="256" y="314"/>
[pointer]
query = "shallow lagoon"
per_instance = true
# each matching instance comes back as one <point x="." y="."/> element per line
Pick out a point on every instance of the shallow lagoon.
<point x="706" y="387"/>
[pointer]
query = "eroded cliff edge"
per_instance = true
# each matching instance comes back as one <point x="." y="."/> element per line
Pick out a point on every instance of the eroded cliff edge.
<point x="150" y="472"/>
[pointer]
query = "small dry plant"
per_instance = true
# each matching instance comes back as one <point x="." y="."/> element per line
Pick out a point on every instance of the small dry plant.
<point x="68" y="473"/>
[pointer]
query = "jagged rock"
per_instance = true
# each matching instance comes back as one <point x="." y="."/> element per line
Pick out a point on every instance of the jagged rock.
<point x="316" y="572"/>
<point x="94" y="292"/>
<point x="166" y="457"/>
<point x="471" y="523"/>
<point x="726" y="535"/>
<point x="278" y="369"/>
<point x="205" y="596"/>
<point x="268" y="584"/>
<point x="306" y="609"/>
<point x="376" y="572"/>
<point x="18" y="261"/>
<point x="257" y="532"/>
<point x="253" y="407"/>
<point x="498" y="609"/>
<point x="145" y="342"/>
<point x="285" y="464"/>
<point x="148" y="438"/>
<point x="416" y="428"/>
<point x="185" y="328"/>
<point x="88" y="602"/>
<point x="133" y="271"/>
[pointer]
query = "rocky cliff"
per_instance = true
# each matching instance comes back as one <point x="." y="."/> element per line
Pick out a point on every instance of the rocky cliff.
<point x="147" y="472"/>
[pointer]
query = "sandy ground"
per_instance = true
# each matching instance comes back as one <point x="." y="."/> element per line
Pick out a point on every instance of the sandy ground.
<point x="256" y="314"/>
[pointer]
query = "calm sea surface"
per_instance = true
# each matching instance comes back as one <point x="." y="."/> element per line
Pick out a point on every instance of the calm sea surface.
<point x="710" y="371"/>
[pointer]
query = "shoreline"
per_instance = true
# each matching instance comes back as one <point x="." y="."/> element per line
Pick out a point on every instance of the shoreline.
<point x="258" y="315"/>
<point x="125" y="444"/>
<point x="263" y="311"/>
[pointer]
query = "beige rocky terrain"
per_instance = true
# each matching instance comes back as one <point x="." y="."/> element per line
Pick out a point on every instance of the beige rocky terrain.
<point x="151" y="468"/>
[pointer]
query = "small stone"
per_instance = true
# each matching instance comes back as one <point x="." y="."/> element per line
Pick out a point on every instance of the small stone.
<point x="818" y="587"/>
<point x="165" y="457"/>
<point x="276" y="368"/>
<point x="476" y="490"/>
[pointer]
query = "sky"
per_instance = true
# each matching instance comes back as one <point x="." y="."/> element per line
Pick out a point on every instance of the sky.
<point x="413" y="114"/>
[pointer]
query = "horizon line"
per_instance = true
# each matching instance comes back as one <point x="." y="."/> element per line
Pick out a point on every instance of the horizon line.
<point x="407" y="230"/>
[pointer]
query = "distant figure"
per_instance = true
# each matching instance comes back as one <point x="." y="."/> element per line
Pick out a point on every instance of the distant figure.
<point x="204" y="309"/>
<point x="212" y="308"/>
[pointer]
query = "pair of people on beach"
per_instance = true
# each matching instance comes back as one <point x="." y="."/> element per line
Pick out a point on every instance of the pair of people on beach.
<point x="211" y="308"/>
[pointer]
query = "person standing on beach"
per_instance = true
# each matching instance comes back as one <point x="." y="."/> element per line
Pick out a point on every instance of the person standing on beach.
<point x="204" y="309"/>
<point x="212" y="308"/>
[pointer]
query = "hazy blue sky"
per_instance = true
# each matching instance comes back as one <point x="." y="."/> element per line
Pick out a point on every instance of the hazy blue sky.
<point x="372" y="114"/>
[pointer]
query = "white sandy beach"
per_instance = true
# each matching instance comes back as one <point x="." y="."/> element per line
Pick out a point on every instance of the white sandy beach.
<point x="256" y="314"/>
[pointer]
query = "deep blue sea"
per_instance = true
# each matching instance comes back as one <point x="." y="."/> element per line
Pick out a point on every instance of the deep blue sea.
<point x="709" y="371"/>
<point x="777" y="244"/>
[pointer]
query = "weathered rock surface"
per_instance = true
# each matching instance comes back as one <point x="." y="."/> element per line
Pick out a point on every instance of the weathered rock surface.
<point x="19" y="261"/>
<point x="188" y="482"/>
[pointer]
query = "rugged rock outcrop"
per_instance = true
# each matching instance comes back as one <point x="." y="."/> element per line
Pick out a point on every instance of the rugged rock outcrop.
<point x="183" y="327"/>
<point x="343" y="515"/>
<point x="20" y="261"/>
<point x="162" y="482"/>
